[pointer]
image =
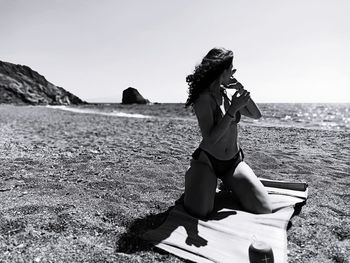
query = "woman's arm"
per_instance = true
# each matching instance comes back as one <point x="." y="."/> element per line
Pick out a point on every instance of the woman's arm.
<point x="251" y="110"/>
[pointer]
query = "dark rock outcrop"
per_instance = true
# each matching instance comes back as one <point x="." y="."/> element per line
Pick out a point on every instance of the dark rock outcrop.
<point x="131" y="96"/>
<point x="21" y="85"/>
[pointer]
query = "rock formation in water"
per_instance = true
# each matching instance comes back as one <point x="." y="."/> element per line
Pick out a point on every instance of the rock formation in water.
<point x="131" y="96"/>
<point x="21" y="85"/>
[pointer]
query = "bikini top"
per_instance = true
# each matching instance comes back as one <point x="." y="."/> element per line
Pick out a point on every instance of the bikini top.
<point x="218" y="114"/>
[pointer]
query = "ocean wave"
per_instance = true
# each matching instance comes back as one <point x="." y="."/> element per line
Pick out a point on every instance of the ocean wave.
<point x="92" y="111"/>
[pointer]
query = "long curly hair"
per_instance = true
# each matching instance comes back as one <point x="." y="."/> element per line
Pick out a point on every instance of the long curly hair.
<point x="213" y="64"/>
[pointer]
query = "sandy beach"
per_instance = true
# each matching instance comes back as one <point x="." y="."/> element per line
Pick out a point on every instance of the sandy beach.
<point x="82" y="187"/>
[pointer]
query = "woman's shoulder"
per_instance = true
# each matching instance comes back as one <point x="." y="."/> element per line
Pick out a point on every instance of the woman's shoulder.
<point x="205" y="98"/>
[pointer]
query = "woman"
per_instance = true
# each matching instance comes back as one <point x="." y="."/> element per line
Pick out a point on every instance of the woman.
<point x="219" y="154"/>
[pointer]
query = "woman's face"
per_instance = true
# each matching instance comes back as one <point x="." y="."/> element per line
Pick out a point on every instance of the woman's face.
<point x="226" y="75"/>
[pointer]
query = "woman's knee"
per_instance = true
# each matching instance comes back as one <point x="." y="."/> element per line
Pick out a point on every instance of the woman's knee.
<point x="262" y="207"/>
<point x="250" y="191"/>
<point x="199" y="200"/>
<point x="257" y="202"/>
<point x="198" y="210"/>
<point x="200" y="186"/>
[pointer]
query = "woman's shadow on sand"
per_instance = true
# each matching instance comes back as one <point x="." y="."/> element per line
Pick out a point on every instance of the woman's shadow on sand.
<point x="132" y="241"/>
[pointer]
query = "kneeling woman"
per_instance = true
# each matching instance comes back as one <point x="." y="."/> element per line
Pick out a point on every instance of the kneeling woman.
<point x="219" y="154"/>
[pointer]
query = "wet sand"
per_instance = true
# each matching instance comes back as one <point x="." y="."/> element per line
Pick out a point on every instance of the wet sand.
<point x="82" y="187"/>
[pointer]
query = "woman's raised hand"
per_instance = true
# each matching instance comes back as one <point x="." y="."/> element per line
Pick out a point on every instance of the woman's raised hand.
<point x="239" y="100"/>
<point x="234" y="84"/>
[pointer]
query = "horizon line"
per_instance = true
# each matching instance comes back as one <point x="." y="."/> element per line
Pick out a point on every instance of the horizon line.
<point x="285" y="102"/>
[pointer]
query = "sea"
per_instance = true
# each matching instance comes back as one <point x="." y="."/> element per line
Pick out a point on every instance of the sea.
<point x="320" y="116"/>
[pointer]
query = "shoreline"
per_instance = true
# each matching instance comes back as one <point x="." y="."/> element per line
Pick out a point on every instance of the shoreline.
<point x="193" y="118"/>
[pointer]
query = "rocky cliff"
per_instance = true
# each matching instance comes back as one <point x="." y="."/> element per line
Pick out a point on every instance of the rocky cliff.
<point x="21" y="85"/>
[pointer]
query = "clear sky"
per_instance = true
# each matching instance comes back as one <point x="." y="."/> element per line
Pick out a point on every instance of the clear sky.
<point x="285" y="51"/>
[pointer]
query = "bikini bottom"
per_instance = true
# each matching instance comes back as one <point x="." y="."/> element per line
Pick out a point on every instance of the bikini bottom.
<point x="221" y="167"/>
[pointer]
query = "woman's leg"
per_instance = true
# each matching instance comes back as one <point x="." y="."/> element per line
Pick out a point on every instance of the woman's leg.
<point x="200" y="188"/>
<point x="248" y="188"/>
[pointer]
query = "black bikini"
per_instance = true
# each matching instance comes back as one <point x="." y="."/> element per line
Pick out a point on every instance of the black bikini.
<point x="222" y="167"/>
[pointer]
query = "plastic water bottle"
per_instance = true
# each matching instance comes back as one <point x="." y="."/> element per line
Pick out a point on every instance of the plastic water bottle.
<point x="260" y="252"/>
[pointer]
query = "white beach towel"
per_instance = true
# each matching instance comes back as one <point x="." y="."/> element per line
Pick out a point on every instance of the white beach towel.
<point x="227" y="234"/>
